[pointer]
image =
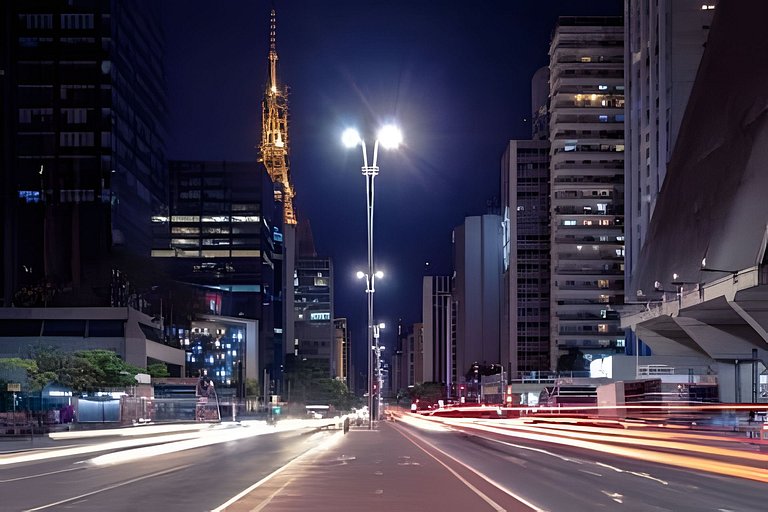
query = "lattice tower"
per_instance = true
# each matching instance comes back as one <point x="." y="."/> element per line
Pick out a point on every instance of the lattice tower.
<point x="274" y="148"/>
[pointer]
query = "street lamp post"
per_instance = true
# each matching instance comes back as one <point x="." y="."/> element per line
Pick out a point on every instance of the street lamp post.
<point x="389" y="137"/>
<point x="376" y="349"/>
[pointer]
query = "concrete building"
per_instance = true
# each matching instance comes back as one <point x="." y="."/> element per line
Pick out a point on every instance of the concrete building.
<point x="437" y="316"/>
<point x="477" y="255"/>
<point x="221" y="239"/>
<point x="313" y="313"/>
<point x="664" y="43"/>
<point x="587" y="189"/>
<point x="82" y="143"/>
<point x="342" y="349"/>
<point x="525" y="256"/>
<point x="407" y="359"/>
<point x="132" y="335"/>
<point x="540" y="104"/>
<point x="702" y="268"/>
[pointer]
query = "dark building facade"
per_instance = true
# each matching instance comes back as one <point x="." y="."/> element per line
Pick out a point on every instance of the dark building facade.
<point x="218" y="239"/>
<point x="526" y="255"/>
<point x="313" y="313"/>
<point x="83" y="110"/>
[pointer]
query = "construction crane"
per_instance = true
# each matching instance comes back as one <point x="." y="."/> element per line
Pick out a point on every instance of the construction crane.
<point x="273" y="151"/>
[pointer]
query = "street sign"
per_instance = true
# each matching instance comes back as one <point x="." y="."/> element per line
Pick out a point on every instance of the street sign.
<point x="14" y="387"/>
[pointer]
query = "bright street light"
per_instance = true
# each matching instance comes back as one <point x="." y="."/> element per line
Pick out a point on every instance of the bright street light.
<point x="350" y="138"/>
<point x="389" y="137"/>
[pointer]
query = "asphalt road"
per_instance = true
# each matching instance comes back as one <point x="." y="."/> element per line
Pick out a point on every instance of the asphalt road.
<point x="560" y="477"/>
<point x="194" y="479"/>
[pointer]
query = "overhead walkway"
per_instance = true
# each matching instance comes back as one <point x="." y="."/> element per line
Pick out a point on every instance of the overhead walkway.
<point x="725" y="323"/>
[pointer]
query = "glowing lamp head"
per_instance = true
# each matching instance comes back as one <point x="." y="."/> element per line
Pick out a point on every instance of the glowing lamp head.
<point x="350" y="138"/>
<point x="390" y="136"/>
<point x="703" y="262"/>
<point x="379" y="274"/>
<point x="360" y="274"/>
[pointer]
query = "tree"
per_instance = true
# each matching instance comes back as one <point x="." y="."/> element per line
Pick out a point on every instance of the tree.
<point x="158" y="370"/>
<point x="252" y="387"/>
<point x="111" y="371"/>
<point x="429" y="392"/>
<point x="27" y="370"/>
<point x="85" y="370"/>
<point x="332" y="392"/>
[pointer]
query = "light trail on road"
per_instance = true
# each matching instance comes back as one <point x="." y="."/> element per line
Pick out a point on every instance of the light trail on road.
<point x="598" y="444"/>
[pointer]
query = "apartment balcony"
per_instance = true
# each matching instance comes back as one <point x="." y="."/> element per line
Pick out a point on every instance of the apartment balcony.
<point x="584" y="286"/>
<point x="597" y="177"/>
<point x="588" y="316"/>
<point x="599" y="335"/>
<point x="565" y="272"/>
<point x="572" y="74"/>
<point x="589" y="255"/>
<point x="576" y="302"/>
<point x="591" y="240"/>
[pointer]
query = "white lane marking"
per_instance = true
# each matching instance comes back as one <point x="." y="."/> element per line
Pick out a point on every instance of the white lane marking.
<point x="636" y="473"/>
<point x="539" y="450"/>
<point x="271" y="496"/>
<point x="110" y="487"/>
<point x="37" y="475"/>
<point x="322" y="446"/>
<point x="590" y="472"/>
<point x="100" y="447"/>
<point x="477" y="491"/>
<point x="618" y="498"/>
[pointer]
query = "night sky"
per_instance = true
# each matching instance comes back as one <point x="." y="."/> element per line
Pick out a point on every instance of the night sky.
<point x="455" y="76"/>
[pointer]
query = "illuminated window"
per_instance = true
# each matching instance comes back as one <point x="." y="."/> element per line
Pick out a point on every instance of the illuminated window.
<point x="586" y="59"/>
<point x="603" y="328"/>
<point x="603" y="283"/>
<point x="30" y="196"/>
<point x="621" y="342"/>
<point x="569" y="223"/>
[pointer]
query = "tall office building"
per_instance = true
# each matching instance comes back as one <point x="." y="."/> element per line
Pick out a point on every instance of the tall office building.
<point x="342" y="350"/>
<point x="540" y="104"/>
<point x="477" y="255"/>
<point x="587" y="189"/>
<point x="526" y="275"/>
<point x="82" y="139"/>
<point x="313" y="313"/>
<point x="221" y="238"/>
<point x="439" y="357"/>
<point x="665" y="40"/>
<point x="413" y="353"/>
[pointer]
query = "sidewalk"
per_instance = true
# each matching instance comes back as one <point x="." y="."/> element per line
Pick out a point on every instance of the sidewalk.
<point x="373" y="470"/>
<point x="16" y="444"/>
